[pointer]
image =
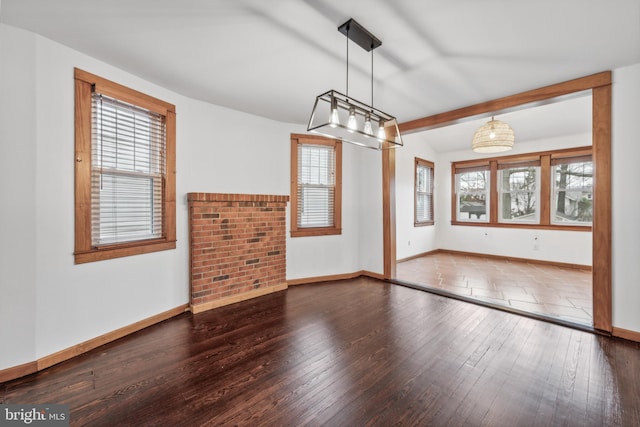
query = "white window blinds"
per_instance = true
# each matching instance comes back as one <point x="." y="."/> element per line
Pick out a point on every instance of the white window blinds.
<point x="316" y="185"/>
<point x="424" y="193"/>
<point x="128" y="172"/>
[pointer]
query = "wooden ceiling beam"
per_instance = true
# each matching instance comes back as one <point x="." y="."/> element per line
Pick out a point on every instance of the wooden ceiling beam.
<point x="502" y="105"/>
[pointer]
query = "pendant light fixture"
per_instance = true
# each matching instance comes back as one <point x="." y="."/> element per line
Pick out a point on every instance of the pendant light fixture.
<point x="336" y="115"/>
<point x="493" y="137"/>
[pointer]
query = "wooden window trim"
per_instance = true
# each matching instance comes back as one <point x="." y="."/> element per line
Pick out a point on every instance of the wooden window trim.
<point x="519" y="164"/>
<point x="501" y="166"/>
<point x="544" y="159"/>
<point x="464" y="167"/>
<point x="470" y="166"/>
<point x="297" y="139"/>
<point x="578" y="157"/>
<point x="84" y="250"/>
<point x="421" y="162"/>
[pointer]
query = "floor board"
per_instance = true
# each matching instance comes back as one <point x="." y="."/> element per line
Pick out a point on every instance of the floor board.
<point x="557" y="292"/>
<point x="348" y="353"/>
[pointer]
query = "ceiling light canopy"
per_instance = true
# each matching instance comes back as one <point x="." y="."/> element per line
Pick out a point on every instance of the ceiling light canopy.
<point x="493" y="137"/>
<point x="336" y="115"/>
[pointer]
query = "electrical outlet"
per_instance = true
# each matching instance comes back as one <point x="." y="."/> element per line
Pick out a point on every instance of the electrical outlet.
<point x="536" y="243"/>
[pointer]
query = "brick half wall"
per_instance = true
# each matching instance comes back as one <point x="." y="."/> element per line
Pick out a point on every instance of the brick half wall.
<point x="237" y="247"/>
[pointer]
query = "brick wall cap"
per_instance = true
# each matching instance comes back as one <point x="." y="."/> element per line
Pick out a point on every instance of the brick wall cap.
<point x="230" y="197"/>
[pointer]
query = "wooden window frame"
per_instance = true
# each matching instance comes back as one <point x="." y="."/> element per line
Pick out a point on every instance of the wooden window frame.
<point x="297" y="231"/>
<point x="495" y="163"/>
<point x="557" y="160"/>
<point x="430" y="165"/>
<point x="471" y="167"/>
<point x="85" y="84"/>
<point x="508" y="165"/>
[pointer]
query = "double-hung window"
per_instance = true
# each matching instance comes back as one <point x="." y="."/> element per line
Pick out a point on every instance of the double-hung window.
<point x="316" y="195"/>
<point x="127" y="173"/>
<point x="572" y="194"/>
<point x="472" y="193"/>
<point x="125" y="158"/>
<point x="519" y="190"/>
<point x="423" y="213"/>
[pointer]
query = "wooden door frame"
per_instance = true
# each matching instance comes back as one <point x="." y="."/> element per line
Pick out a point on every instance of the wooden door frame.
<point x="600" y="86"/>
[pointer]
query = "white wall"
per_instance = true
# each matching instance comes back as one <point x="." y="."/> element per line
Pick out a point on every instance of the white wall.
<point x="360" y="247"/>
<point x="411" y="240"/>
<point x="49" y="303"/>
<point x="561" y="246"/>
<point x="625" y="198"/>
<point x="317" y="256"/>
<point x="370" y="211"/>
<point x="18" y="208"/>
<point x="573" y="247"/>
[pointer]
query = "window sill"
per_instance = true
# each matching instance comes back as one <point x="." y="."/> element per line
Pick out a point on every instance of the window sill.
<point x="525" y="226"/>
<point x="315" y="232"/>
<point x="423" y="223"/>
<point x="123" y="250"/>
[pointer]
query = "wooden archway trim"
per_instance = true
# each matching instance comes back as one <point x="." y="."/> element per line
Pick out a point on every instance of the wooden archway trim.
<point x="600" y="85"/>
<point x="508" y="103"/>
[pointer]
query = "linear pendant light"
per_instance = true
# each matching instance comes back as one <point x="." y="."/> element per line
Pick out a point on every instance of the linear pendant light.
<point x="336" y="115"/>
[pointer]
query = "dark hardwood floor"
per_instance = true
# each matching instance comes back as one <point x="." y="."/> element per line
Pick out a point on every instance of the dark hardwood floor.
<point x="349" y="353"/>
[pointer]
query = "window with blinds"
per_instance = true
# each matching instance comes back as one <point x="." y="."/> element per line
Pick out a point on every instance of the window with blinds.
<point x="423" y="192"/>
<point x="125" y="181"/>
<point x="316" y="185"/>
<point x="128" y="169"/>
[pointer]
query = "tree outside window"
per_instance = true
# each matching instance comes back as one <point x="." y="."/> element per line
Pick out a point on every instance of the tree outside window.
<point x="549" y="189"/>
<point x="472" y="195"/>
<point x="573" y="192"/>
<point x="519" y="194"/>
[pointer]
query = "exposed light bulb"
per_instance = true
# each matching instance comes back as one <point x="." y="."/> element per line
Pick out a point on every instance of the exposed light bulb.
<point x="352" y="124"/>
<point x="492" y="135"/>
<point x="381" y="133"/>
<point x="334" y="119"/>
<point x="368" y="130"/>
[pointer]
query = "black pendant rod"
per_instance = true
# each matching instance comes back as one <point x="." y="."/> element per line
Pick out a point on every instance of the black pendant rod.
<point x="363" y="38"/>
<point x="347" y="60"/>
<point x="372" y="76"/>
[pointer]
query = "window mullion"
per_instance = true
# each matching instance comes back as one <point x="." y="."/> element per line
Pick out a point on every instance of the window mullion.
<point x="493" y="192"/>
<point x="545" y="190"/>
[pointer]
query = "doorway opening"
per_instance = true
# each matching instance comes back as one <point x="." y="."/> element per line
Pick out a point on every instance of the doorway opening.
<point x="534" y="253"/>
<point x="599" y="86"/>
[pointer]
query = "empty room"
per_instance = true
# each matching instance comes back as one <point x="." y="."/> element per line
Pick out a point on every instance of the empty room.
<point x="305" y="212"/>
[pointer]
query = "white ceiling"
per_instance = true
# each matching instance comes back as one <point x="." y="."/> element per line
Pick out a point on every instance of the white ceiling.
<point x="272" y="58"/>
<point x="565" y="117"/>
